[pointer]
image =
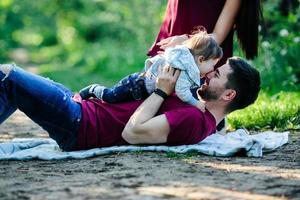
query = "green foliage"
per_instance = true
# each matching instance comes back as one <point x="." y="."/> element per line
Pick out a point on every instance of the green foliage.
<point x="80" y="42"/>
<point x="279" y="47"/>
<point x="278" y="112"/>
<point x="110" y="38"/>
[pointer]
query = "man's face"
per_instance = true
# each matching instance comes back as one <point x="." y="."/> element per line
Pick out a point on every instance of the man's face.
<point x="214" y="85"/>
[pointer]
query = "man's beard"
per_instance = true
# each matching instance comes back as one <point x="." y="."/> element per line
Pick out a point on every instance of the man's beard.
<point x="207" y="94"/>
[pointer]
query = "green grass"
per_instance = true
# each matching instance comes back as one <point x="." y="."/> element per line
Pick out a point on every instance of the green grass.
<point x="173" y="155"/>
<point x="277" y="112"/>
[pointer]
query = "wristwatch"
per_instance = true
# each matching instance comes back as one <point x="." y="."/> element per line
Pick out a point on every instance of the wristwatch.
<point x="160" y="93"/>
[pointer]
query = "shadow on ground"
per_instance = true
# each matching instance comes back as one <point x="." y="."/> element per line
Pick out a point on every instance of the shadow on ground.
<point x="149" y="175"/>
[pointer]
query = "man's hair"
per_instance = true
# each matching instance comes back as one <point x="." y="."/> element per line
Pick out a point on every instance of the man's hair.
<point x="245" y="80"/>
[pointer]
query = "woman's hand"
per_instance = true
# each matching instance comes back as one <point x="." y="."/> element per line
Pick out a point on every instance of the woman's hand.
<point x="172" y="41"/>
<point x="166" y="79"/>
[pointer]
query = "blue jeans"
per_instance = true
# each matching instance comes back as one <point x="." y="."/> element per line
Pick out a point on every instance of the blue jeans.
<point x="47" y="103"/>
<point x="131" y="87"/>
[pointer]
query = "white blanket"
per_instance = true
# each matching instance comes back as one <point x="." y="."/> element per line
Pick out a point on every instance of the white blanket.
<point x="215" y="145"/>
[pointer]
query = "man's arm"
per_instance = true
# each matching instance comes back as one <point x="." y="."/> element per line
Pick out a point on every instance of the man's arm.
<point x="143" y="126"/>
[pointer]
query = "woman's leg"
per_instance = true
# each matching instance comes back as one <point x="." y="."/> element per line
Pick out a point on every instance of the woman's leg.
<point x="47" y="103"/>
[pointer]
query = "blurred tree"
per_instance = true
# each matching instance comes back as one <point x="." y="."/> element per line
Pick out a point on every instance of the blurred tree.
<point x="112" y="37"/>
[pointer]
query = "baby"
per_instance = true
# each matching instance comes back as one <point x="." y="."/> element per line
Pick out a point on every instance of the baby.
<point x="195" y="58"/>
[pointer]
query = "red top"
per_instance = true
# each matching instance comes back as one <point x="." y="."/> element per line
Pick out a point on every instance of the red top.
<point x="182" y="16"/>
<point x="102" y="123"/>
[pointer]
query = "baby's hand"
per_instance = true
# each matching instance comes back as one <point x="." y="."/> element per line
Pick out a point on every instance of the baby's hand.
<point x="77" y="98"/>
<point x="200" y="105"/>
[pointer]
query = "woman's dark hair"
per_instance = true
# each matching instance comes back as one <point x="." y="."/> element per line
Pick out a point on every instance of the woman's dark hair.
<point x="245" y="80"/>
<point x="247" y="26"/>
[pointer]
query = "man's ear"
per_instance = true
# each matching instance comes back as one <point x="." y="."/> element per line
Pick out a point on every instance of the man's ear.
<point x="229" y="94"/>
<point x="200" y="59"/>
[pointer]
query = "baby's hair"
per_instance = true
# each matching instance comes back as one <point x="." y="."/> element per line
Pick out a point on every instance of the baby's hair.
<point x="203" y="44"/>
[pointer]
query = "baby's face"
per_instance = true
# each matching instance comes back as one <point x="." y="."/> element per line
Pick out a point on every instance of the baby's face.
<point x="207" y="66"/>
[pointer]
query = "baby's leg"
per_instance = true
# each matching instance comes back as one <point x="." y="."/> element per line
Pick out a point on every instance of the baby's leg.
<point x="94" y="90"/>
<point x="132" y="87"/>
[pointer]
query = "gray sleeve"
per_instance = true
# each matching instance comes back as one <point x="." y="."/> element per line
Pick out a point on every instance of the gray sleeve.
<point x="152" y="64"/>
<point x="183" y="89"/>
<point x="181" y="58"/>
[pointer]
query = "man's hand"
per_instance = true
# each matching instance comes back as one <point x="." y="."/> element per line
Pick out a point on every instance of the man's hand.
<point x="166" y="79"/>
<point x="143" y="126"/>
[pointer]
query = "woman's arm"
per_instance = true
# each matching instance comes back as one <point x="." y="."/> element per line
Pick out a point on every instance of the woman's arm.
<point x="223" y="26"/>
<point x="226" y="20"/>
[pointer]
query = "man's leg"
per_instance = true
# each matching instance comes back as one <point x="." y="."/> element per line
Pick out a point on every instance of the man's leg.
<point x="47" y="103"/>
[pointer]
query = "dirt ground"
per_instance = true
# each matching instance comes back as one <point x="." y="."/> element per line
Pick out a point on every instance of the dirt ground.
<point x="149" y="175"/>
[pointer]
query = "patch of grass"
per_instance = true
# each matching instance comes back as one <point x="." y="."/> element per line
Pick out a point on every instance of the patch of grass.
<point x="277" y="112"/>
<point x="173" y="155"/>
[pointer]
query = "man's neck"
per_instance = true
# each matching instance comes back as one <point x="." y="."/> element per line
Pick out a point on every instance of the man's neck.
<point x="216" y="110"/>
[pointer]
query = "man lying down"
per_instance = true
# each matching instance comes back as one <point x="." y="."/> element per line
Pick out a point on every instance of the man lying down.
<point x="160" y="119"/>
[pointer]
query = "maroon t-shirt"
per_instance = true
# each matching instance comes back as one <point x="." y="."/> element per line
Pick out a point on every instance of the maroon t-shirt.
<point x="102" y="123"/>
<point x="182" y="16"/>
